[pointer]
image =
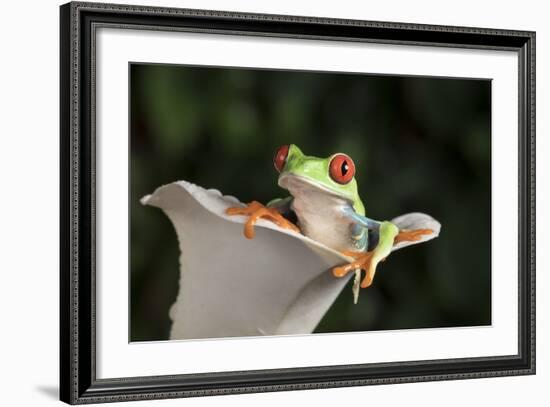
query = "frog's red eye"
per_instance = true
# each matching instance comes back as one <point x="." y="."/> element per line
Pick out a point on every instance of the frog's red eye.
<point x="279" y="159"/>
<point x="341" y="168"/>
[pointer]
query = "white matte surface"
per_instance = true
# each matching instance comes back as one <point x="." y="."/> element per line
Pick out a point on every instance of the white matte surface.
<point x="117" y="358"/>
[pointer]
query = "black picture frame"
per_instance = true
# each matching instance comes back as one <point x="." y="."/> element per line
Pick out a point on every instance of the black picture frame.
<point x="78" y="382"/>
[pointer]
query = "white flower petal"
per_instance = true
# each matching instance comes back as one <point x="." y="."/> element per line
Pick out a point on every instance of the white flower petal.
<point x="416" y="220"/>
<point x="277" y="283"/>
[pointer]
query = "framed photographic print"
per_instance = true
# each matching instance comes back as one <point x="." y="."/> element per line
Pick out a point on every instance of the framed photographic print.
<point x="256" y="203"/>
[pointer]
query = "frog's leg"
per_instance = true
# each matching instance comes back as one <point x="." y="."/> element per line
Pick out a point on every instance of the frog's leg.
<point x="371" y="224"/>
<point x="368" y="261"/>
<point x="273" y="212"/>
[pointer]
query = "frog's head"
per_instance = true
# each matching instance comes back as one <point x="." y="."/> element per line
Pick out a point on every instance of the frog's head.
<point x="334" y="175"/>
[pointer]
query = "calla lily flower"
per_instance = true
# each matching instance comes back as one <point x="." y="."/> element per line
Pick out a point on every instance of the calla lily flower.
<point x="279" y="283"/>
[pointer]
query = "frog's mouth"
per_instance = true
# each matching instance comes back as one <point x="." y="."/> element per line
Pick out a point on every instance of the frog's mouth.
<point x="298" y="186"/>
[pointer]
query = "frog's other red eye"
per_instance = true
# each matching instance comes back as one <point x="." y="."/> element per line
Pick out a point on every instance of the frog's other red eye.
<point x="341" y="168"/>
<point x="279" y="159"/>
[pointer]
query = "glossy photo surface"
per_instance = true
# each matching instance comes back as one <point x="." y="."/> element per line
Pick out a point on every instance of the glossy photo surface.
<point x="418" y="144"/>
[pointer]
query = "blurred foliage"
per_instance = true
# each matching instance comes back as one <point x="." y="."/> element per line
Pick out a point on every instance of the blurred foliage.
<point x="419" y="144"/>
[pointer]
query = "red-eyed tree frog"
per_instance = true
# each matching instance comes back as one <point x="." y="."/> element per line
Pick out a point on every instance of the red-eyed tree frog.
<point x="325" y="201"/>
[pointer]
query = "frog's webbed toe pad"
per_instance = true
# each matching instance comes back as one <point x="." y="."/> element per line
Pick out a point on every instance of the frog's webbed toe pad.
<point x="255" y="210"/>
<point x="411" y="235"/>
<point x="363" y="261"/>
<point x="412" y="222"/>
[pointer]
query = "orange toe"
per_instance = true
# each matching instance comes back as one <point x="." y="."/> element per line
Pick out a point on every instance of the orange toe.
<point x="255" y="210"/>
<point x="411" y="235"/>
<point x="362" y="261"/>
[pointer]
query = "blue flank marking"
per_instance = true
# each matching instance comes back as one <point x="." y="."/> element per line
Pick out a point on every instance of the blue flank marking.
<point x="361" y="220"/>
<point x="359" y="237"/>
<point x="360" y="228"/>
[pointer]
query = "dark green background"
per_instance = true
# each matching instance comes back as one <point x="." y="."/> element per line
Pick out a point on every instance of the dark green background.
<point x="419" y="144"/>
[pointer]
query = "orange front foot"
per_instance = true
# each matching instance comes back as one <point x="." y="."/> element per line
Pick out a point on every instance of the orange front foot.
<point x="411" y="235"/>
<point x="363" y="261"/>
<point x="255" y="210"/>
